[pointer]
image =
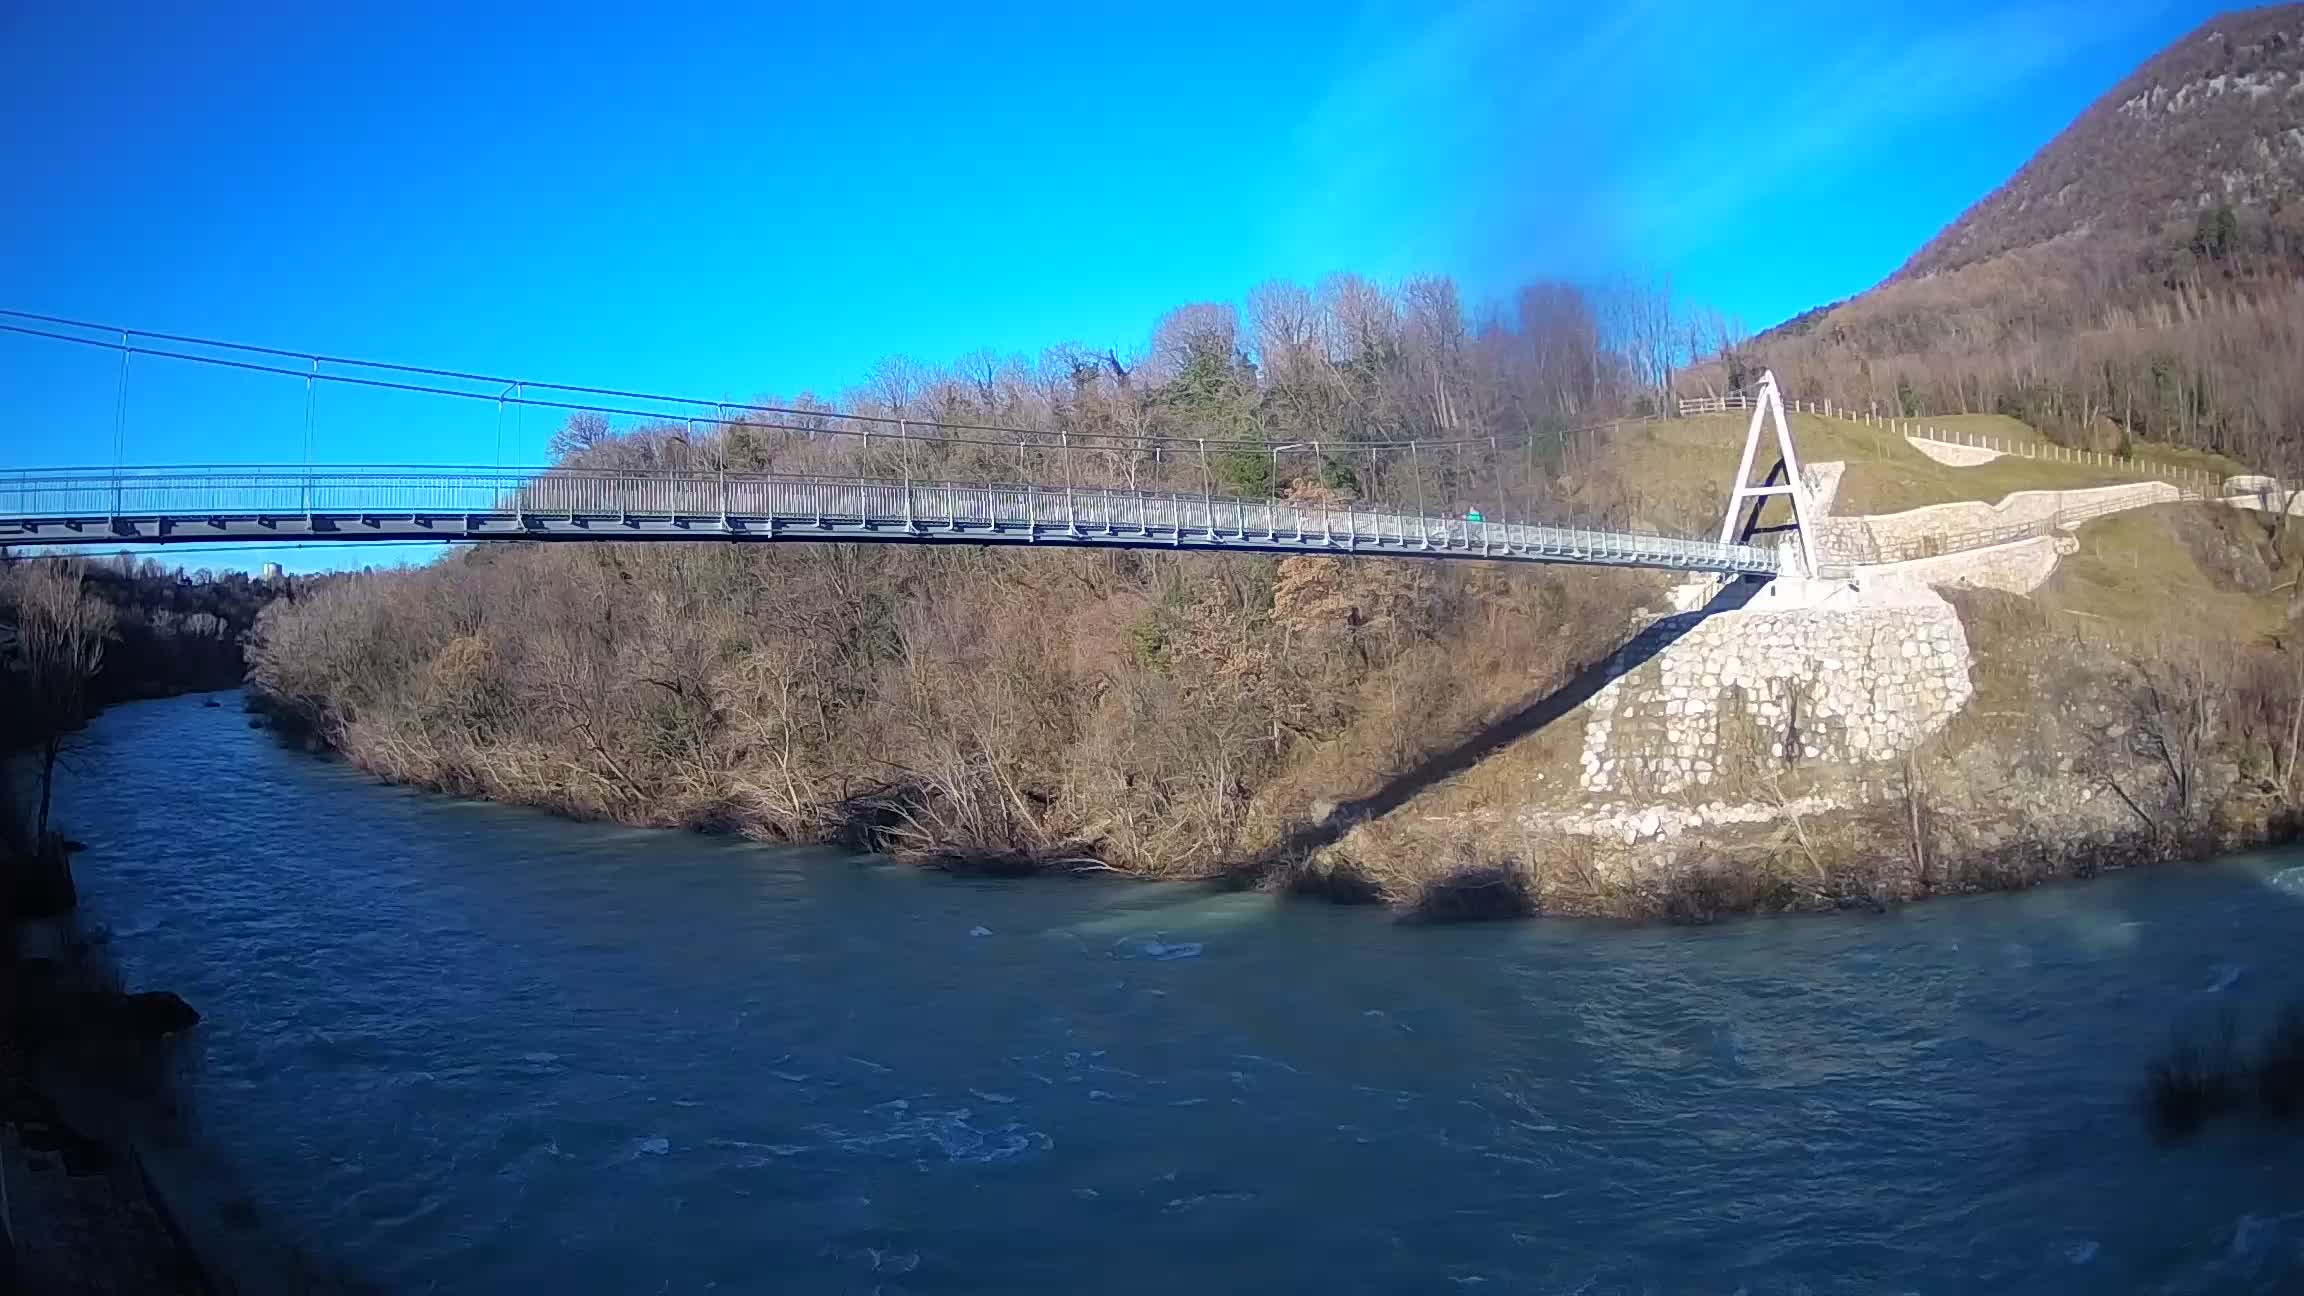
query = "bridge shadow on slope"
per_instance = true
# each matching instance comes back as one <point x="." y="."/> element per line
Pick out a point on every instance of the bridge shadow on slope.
<point x="1492" y="737"/>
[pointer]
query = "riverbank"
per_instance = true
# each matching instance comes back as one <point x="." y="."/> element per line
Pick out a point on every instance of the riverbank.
<point x="106" y="1188"/>
<point x="1449" y="740"/>
<point x="1974" y="822"/>
<point x="75" y="1055"/>
<point x="1988" y="807"/>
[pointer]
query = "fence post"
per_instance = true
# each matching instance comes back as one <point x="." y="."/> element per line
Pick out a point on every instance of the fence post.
<point x="1064" y="438"/>
<point x="1423" y="521"/>
<point x="1207" y="489"/>
<point x="904" y="453"/>
<point x="1528" y="478"/>
<point x="1496" y="478"/>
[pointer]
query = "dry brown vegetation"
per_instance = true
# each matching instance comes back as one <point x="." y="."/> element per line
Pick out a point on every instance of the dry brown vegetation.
<point x="55" y="634"/>
<point x="61" y="630"/>
<point x="1187" y="716"/>
<point x="2160" y="668"/>
<point x="1333" y="727"/>
<point x="2204" y="358"/>
<point x="1169" y="715"/>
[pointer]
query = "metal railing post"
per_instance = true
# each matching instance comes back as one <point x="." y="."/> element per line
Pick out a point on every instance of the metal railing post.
<point x="309" y="387"/>
<point x="1423" y="519"/>
<point x="904" y="453"/>
<point x="1071" y="523"/>
<point x="120" y="424"/>
<point x="1207" y="490"/>
<point x="1495" y="485"/>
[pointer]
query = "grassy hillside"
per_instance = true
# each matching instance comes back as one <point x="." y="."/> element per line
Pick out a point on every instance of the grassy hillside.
<point x="1678" y="470"/>
<point x="2189" y="568"/>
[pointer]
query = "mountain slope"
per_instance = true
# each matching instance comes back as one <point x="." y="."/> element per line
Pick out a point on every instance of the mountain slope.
<point x="2217" y="119"/>
<point x="2142" y="276"/>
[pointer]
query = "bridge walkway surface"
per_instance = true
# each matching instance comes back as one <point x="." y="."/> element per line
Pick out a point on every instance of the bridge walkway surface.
<point x="84" y="507"/>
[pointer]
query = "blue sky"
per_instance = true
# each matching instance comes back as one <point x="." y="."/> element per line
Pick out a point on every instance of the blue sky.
<point x="739" y="200"/>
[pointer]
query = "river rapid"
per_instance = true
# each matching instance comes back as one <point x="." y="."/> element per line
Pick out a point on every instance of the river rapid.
<point x="456" y="1047"/>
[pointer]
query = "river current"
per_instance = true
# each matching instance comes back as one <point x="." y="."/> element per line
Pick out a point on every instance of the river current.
<point x="457" y="1047"/>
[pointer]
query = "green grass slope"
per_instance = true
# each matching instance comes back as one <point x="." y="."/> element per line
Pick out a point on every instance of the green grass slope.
<point x="1677" y="470"/>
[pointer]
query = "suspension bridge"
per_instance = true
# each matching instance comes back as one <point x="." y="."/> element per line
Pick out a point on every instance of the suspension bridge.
<point x="124" y="503"/>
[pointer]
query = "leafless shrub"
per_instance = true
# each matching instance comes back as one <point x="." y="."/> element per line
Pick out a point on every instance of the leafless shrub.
<point x="62" y="629"/>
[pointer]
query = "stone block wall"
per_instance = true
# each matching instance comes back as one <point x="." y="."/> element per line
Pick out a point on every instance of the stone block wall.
<point x="2017" y="568"/>
<point x="1700" y="696"/>
<point x="1892" y="531"/>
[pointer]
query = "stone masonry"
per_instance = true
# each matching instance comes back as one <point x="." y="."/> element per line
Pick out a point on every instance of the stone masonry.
<point x="1700" y="696"/>
<point x="2017" y="568"/>
<point x="1862" y="676"/>
<point x="1891" y="531"/>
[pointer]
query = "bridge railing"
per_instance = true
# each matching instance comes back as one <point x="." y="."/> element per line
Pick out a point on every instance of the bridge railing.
<point x="998" y="510"/>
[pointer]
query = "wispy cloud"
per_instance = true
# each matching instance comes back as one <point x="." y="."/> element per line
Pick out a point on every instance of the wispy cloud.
<point x="1779" y="117"/>
<point x="1500" y="138"/>
<point x="1441" y="118"/>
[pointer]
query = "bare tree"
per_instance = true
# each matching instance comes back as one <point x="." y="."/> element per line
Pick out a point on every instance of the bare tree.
<point x="585" y="431"/>
<point x="1646" y="334"/>
<point x="2179" y="707"/>
<point x="62" y="628"/>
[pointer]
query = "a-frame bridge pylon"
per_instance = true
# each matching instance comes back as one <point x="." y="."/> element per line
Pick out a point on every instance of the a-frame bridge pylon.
<point x="1768" y="408"/>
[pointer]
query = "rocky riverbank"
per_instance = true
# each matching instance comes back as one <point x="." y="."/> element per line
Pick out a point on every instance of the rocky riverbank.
<point x="82" y="1213"/>
<point x="107" y="1187"/>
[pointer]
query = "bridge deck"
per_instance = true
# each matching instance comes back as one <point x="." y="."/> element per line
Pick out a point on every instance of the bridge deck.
<point x="271" y="505"/>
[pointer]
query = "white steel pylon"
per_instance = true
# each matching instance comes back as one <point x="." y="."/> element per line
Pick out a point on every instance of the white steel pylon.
<point x="1769" y="407"/>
